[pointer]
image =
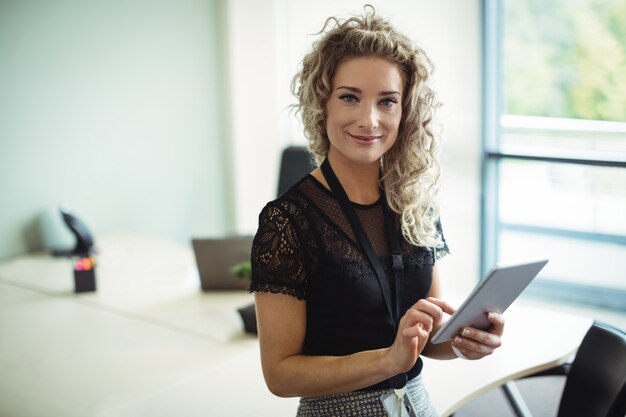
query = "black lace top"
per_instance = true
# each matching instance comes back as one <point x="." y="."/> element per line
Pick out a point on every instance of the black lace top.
<point x="305" y="248"/>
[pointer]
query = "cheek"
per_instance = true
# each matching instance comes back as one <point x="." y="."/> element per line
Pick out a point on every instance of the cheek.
<point x="393" y="121"/>
<point x="330" y="126"/>
<point x="393" y="128"/>
<point x="336" y="122"/>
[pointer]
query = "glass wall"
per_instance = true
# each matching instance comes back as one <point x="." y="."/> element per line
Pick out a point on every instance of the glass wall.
<point x="554" y="166"/>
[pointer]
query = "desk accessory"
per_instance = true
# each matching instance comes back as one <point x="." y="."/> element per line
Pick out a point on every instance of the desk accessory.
<point x="84" y="239"/>
<point x="85" y="274"/>
<point x="84" y="266"/>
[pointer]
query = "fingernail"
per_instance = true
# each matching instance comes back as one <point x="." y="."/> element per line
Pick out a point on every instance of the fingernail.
<point x="491" y="316"/>
<point x="456" y="340"/>
<point x="465" y="332"/>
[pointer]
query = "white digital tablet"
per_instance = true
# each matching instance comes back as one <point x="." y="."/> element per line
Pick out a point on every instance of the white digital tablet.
<point x="501" y="286"/>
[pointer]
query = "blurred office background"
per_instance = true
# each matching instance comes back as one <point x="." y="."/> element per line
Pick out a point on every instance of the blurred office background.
<point x="168" y="118"/>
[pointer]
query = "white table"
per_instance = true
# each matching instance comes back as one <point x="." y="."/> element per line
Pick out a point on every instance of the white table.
<point x="148" y="342"/>
<point x="534" y="340"/>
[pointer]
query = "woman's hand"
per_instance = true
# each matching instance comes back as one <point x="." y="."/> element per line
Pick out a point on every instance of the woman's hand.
<point x="476" y="344"/>
<point x="413" y="331"/>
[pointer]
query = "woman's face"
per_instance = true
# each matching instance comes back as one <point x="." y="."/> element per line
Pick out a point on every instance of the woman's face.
<point x="364" y="109"/>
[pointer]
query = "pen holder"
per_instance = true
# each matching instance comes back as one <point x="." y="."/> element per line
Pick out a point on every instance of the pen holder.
<point x="85" y="281"/>
<point x="85" y="274"/>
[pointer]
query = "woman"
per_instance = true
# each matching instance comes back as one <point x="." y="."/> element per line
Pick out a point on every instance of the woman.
<point x="344" y="263"/>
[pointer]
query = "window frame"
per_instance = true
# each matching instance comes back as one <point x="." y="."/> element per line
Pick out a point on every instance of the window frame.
<point x="493" y="155"/>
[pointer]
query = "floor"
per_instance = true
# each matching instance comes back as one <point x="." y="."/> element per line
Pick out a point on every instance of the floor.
<point x="542" y="396"/>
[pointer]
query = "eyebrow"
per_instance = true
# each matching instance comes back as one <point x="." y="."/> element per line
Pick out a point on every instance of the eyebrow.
<point x="358" y="90"/>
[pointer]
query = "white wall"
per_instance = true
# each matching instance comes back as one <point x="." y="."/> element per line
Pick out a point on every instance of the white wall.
<point x="132" y="112"/>
<point x="268" y="38"/>
<point x="252" y="79"/>
<point x="115" y="109"/>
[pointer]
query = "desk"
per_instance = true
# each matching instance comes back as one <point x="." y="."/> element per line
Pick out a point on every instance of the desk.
<point x="139" y="278"/>
<point x="149" y="342"/>
<point x="534" y="340"/>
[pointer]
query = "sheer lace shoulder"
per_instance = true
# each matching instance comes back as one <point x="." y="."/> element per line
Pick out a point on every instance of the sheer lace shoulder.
<point x="304" y="233"/>
<point x="417" y="257"/>
<point x="442" y="250"/>
<point x="278" y="257"/>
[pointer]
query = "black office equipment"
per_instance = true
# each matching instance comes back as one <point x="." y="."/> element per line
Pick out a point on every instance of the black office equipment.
<point x="595" y="384"/>
<point x="215" y="258"/>
<point x="83" y="253"/>
<point x="84" y="238"/>
<point x="295" y="163"/>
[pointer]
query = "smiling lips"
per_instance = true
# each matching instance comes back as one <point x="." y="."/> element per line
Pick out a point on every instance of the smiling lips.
<point x="365" y="140"/>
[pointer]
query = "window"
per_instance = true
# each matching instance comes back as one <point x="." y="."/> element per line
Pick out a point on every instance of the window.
<point x="554" y="166"/>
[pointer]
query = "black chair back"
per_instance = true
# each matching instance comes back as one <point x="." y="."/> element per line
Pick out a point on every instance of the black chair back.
<point x="596" y="384"/>
<point x="295" y="163"/>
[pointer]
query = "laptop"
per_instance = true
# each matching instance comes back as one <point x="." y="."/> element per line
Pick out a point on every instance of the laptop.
<point x="215" y="258"/>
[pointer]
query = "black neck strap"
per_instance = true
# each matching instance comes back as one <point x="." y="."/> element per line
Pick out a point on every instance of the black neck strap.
<point x="395" y="242"/>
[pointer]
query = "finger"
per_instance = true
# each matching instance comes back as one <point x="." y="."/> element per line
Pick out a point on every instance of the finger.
<point x="482" y="337"/>
<point x="418" y="316"/>
<point x="466" y="353"/>
<point x="415" y="331"/>
<point x="447" y="308"/>
<point x="429" y="308"/>
<point x="471" y="348"/>
<point x="497" y="321"/>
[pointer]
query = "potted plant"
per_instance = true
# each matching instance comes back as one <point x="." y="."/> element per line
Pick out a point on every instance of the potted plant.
<point x="243" y="270"/>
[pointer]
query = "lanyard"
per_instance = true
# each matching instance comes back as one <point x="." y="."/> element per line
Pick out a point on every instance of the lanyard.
<point x="393" y="235"/>
<point x="395" y="243"/>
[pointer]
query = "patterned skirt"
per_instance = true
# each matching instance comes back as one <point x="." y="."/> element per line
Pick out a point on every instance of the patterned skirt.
<point x="365" y="403"/>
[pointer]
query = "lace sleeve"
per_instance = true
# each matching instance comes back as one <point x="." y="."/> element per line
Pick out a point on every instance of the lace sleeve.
<point x="278" y="261"/>
<point x="442" y="250"/>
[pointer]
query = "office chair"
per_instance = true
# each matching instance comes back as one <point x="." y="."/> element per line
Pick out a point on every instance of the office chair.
<point x="596" y="384"/>
<point x="295" y="163"/>
<point x="596" y="380"/>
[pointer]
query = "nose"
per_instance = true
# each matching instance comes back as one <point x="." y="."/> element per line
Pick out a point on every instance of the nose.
<point x="368" y="117"/>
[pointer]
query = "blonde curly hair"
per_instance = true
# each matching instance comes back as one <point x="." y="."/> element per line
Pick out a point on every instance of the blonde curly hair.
<point x="410" y="169"/>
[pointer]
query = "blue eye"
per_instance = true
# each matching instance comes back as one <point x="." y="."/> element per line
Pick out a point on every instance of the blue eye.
<point x="388" y="102"/>
<point x="348" y="98"/>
